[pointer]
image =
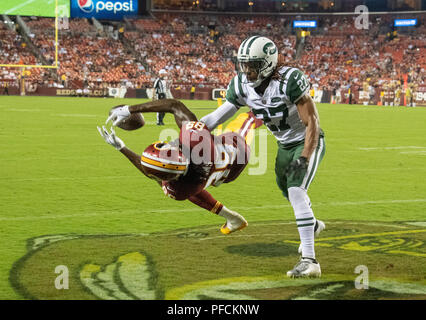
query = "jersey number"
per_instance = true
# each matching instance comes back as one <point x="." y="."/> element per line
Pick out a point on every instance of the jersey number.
<point x="302" y="83"/>
<point x="272" y="123"/>
<point x="192" y="125"/>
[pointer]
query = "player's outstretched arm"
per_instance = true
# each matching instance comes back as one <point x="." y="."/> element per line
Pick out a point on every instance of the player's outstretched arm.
<point x="134" y="158"/>
<point x="173" y="106"/>
<point x="220" y="115"/>
<point x="112" y="139"/>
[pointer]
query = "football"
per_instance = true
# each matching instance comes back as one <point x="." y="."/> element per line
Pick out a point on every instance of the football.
<point x="135" y="121"/>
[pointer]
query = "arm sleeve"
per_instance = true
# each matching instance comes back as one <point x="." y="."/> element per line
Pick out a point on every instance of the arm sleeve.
<point x="220" y="115"/>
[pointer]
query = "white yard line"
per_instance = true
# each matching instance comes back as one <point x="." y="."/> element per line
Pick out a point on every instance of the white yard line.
<point x="420" y="152"/>
<point x="23" y="110"/>
<point x="392" y="148"/>
<point x="138" y="211"/>
<point x="11" y="10"/>
<point x="100" y="158"/>
<point x="76" y="115"/>
<point x="72" y="178"/>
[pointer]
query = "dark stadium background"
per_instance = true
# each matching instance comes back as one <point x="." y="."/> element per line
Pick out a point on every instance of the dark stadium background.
<point x="196" y="42"/>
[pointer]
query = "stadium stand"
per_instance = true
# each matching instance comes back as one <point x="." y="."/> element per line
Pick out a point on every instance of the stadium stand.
<point x="200" y="50"/>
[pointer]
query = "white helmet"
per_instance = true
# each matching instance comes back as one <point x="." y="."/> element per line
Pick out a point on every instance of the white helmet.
<point x="258" y="53"/>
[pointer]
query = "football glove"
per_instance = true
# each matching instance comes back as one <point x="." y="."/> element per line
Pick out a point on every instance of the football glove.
<point x="111" y="138"/>
<point x="118" y="115"/>
<point x="297" y="168"/>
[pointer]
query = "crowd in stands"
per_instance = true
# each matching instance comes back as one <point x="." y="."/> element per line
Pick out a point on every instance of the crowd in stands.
<point x="14" y="50"/>
<point x="200" y="50"/>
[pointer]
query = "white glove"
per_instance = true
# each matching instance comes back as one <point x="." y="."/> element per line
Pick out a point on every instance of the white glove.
<point x="111" y="138"/>
<point x="118" y="115"/>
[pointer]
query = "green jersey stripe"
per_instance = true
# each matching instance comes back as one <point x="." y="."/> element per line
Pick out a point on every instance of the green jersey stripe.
<point x="311" y="168"/>
<point x="314" y="168"/>
<point x="237" y="87"/>
<point x="284" y="79"/>
<point x="320" y="151"/>
<point x="281" y="86"/>
<point x="240" y="87"/>
<point x="288" y="75"/>
<point x="231" y="95"/>
<point x="286" y="72"/>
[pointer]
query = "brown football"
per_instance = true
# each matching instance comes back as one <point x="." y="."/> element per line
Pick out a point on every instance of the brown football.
<point x="135" y="121"/>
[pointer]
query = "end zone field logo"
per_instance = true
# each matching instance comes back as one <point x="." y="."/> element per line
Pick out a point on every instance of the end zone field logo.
<point x="203" y="264"/>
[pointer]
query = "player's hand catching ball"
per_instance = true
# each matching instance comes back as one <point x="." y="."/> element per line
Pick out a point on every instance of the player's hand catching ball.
<point x="111" y="138"/>
<point x="118" y="115"/>
<point x="297" y="168"/>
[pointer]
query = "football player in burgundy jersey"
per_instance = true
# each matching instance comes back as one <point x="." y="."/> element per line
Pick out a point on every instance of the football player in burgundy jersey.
<point x="186" y="167"/>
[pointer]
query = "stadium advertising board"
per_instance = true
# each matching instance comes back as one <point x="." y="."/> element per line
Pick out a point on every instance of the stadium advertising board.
<point x="104" y="9"/>
<point x="219" y="94"/>
<point x="405" y="22"/>
<point x="39" y="8"/>
<point x="420" y="95"/>
<point x="304" y="24"/>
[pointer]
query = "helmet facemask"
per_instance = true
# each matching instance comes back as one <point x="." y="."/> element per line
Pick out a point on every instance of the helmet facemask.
<point x="255" y="68"/>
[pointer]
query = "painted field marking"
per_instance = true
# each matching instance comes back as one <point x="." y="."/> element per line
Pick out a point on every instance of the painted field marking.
<point x="92" y="214"/>
<point x="417" y="223"/>
<point x="11" y="10"/>
<point x="56" y="43"/>
<point x="414" y="152"/>
<point x="365" y="235"/>
<point x="371" y="202"/>
<point x="392" y="148"/>
<point x="410" y="253"/>
<point x="76" y="115"/>
<point x="354" y="246"/>
<point x="23" y="110"/>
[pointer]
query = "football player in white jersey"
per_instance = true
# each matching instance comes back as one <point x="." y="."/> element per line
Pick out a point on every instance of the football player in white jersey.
<point x="279" y="95"/>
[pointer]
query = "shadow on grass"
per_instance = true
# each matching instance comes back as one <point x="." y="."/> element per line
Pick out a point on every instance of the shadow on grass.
<point x="263" y="249"/>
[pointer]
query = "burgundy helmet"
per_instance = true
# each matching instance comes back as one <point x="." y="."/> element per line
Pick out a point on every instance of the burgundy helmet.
<point x="162" y="161"/>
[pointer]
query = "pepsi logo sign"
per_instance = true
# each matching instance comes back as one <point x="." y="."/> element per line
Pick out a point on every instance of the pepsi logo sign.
<point x="104" y="9"/>
<point x="86" y="5"/>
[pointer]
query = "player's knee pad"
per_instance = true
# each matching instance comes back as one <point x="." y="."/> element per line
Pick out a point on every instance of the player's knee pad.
<point x="299" y="200"/>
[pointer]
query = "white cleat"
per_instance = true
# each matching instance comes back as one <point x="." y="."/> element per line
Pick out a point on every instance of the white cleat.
<point x="305" y="268"/>
<point x="236" y="223"/>
<point x="320" y="226"/>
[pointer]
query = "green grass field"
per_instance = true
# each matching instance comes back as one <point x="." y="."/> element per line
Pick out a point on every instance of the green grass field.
<point x="68" y="198"/>
<point x="42" y="8"/>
